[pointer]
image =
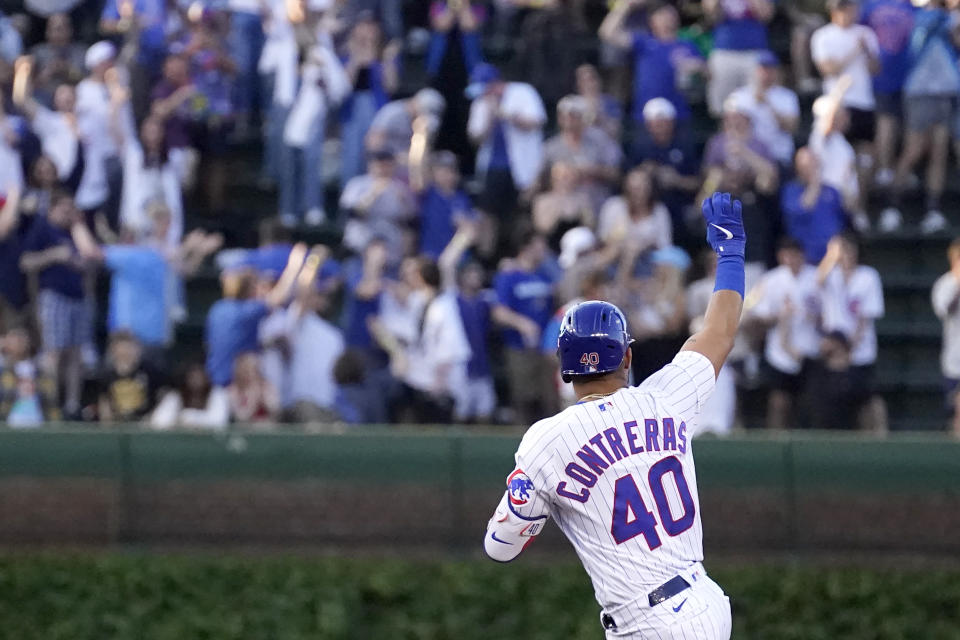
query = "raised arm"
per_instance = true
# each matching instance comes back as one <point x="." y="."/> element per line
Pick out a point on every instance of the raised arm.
<point x="280" y="292"/>
<point x="613" y="31"/>
<point x="22" y="89"/>
<point x="724" y="218"/>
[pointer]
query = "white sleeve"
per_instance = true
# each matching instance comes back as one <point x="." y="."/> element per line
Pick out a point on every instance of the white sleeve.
<point x="871" y="38"/>
<point x="479" y="117"/>
<point x="873" y="304"/>
<point x="42" y="123"/>
<point x="819" y="50"/>
<point x="944" y="292"/>
<point x="519" y="518"/>
<point x="684" y="385"/>
<point x="451" y="339"/>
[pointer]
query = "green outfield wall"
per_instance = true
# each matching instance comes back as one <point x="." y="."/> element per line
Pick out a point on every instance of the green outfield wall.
<point x="436" y="488"/>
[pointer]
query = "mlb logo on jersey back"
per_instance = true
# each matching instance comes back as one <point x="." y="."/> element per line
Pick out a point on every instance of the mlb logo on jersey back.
<point x="603" y="406"/>
<point x="519" y="485"/>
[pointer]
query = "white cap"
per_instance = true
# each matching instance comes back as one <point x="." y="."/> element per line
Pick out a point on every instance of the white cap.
<point x="573" y="104"/>
<point x="659" y="109"/>
<point x="575" y="242"/>
<point x="429" y="101"/>
<point x="737" y="103"/>
<point x="99" y="53"/>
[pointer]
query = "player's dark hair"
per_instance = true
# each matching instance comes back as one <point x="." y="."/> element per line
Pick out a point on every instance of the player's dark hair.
<point x="429" y="272"/>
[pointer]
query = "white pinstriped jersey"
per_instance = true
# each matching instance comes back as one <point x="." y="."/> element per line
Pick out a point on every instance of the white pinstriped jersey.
<point x="617" y="476"/>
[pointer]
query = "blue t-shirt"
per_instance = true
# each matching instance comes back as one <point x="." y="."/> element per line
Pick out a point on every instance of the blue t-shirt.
<point x="475" y="315"/>
<point x="60" y="278"/>
<point x="138" y="293"/>
<point x="152" y="15"/>
<point x="13" y="287"/>
<point x="437" y="214"/>
<point x="739" y="30"/>
<point x="357" y="311"/>
<point x="231" y="330"/>
<point x="655" y="73"/>
<point x="529" y="294"/>
<point x="892" y="21"/>
<point x="812" y="228"/>
<point x="499" y="158"/>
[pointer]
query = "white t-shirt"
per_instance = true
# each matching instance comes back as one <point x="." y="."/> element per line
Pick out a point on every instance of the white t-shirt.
<point x="441" y="344"/>
<point x="779" y="101"/>
<point x="945" y="291"/>
<point x="778" y="286"/>
<point x="11" y="168"/>
<point x="315" y="346"/>
<point x="846" y="302"/>
<point x="58" y="140"/>
<point x="838" y="163"/>
<point x="653" y="232"/>
<point x="524" y="147"/>
<point x="832" y="42"/>
<point x="93" y="123"/>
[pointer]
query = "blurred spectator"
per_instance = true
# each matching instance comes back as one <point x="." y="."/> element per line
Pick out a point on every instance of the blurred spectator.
<point x="656" y="310"/>
<point x="636" y="220"/>
<point x="667" y="151"/>
<point x="604" y="111"/>
<point x="232" y="323"/>
<point x="379" y="205"/>
<point x="11" y="43"/>
<point x="720" y="411"/>
<point x="506" y="123"/>
<point x="594" y="154"/>
<point x="310" y="347"/>
<point x="100" y="186"/>
<point x="736" y="161"/>
<point x="841" y="49"/>
<point x="774" y="109"/>
<point x="524" y="306"/>
<point x="195" y="403"/>
<point x="549" y="52"/>
<point x="739" y="36"/>
<point x="57" y="130"/>
<point x="50" y="253"/>
<point x="389" y="13"/>
<point x="357" y="401"/>
<point x="373" y="72"/>
<point x="835" y="156"/>
<point x="435" y="362"/>
<point x="852" y="298"/>
<point x="252" y="399"/>
<point x="149" y="175"/>
<point x="11" y="164"/>
<point x="443" y="204"/>
<point x="129" y="387"/>
<point x="175" y="101"/>
<point x="58" y="60"/>
<point x="454" y="51"/>
<point x="563" y="207"/>
<point x="892" y="21"/>
<point x="832" y="385"/>
<point x="142" y="23"/>
<point x="393" y="126"/>
<point x="930" y="92"/>
<point x="786" y="303"/>
<point x="662" y="64"/>
<point x="806" y="16"/>
<point x="246" y="40"/>
<point x="323" y="85"/>
<point x="475" y="398"/>
<point x="812" y="211"/>
<point x="946" y="304"/>
<point x="28" y="398"/>
<point x="14" y="229"/>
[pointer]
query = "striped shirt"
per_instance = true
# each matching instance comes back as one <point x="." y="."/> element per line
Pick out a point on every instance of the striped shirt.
<point x="617" y="476"/>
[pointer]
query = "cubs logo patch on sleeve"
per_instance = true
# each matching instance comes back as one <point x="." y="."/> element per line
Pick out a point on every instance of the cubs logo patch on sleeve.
<point x="519" y="486"/>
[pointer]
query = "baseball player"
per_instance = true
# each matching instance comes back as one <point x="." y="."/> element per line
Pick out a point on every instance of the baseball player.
<point x="616" y="472"/>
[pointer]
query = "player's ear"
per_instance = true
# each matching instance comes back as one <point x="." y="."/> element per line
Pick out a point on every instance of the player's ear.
<point x="628" y="359"/>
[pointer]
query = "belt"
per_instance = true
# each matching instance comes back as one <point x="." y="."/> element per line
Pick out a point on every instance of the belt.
<point x="667" y="590"/>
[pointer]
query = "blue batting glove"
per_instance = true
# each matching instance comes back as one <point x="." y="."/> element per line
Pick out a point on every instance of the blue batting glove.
<point x="724" y="218"/>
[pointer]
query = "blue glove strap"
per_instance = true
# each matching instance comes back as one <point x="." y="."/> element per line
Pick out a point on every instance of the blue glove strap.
<point x="730" y="274"/>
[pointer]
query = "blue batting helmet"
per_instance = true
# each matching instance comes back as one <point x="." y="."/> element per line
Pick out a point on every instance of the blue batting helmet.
<point x="593" y="339"/>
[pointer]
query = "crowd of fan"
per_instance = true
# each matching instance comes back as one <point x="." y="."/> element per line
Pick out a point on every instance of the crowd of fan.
<point x="442" y="300"/>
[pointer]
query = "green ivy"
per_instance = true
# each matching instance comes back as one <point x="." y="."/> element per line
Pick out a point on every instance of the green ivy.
<point x="182" y="597"/>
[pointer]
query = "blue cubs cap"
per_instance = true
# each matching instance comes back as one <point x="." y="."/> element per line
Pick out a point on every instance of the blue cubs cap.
<point x="593" y="339"/>
<point x="482" y="75"/>
<point x="767" y="58"/>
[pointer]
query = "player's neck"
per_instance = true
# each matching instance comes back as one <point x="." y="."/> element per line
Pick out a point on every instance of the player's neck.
<point x="597" y="389"/>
